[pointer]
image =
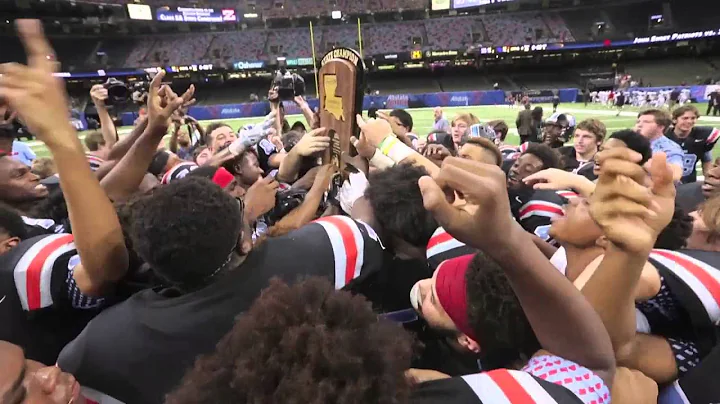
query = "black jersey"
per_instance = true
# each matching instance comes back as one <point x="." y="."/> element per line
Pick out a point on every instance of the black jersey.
<point x="697" y="146"/>
<point x="41" y="307"/>
<point x="138" y="350"/>
<point x="535" y="209"/>
<point x="694" y="280"/>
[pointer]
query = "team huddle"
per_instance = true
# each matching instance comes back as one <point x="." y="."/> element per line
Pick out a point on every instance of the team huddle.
<point x="225" y="266"/>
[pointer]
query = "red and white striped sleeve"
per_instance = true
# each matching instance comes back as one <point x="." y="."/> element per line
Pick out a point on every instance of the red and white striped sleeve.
<point x="355" y="247"/>
<point x="35" y="271"/>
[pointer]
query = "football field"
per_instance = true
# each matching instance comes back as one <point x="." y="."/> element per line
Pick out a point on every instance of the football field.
<point x="423" y="119"/>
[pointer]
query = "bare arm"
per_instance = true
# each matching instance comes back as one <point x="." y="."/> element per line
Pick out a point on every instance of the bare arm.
<point x="127" y="175"/>
<point x="174" y="138"/>
<point x="311" y="143"/>
<point x="96" y="228"/>
<point x="99" y="94"/>
<point x="563" y="321"/>
<point x="120" y="149"/>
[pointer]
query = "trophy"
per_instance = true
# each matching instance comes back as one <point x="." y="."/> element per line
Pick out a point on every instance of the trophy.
<point x="341" y="82"/>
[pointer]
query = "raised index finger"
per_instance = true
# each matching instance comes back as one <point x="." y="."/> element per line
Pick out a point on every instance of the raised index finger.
<point x="156" y="83"/>
<point x="40" y="54"/>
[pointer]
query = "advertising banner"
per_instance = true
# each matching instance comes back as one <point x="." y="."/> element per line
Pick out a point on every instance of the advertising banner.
<point x="189" y="14"/>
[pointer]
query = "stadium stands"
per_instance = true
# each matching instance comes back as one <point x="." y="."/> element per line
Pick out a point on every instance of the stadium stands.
<point x="670" y="72"/>
<point x="233" y="46"/>
<point x="293" y="42"/>
<point x="449" y="33"/>
<point x="524" y="28"/>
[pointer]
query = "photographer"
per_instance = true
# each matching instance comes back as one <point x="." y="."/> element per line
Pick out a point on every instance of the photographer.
<point x="9" y="133"/>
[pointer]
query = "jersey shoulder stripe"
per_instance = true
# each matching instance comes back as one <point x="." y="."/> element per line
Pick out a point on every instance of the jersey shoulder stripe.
<point x="33" y="271"/>
<point x="178" y="171"/>
<point x="701" y="278"/>
<point x="348" y="246"/>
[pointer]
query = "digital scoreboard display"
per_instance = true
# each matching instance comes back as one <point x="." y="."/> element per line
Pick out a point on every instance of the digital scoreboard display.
<point x="475" y="3"/>
<point x="187" y="14"/>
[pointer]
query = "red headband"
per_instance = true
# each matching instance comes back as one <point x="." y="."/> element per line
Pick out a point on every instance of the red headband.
<point x="451" y="289"/>
<point x="222" y="177"/>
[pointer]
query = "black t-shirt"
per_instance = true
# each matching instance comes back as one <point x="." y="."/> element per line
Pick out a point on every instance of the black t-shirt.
<point x="265" y="149"/>
<point x="139" y="350"/>
<point x="39" y="303"/>
<point x="689" y="196"/>
<point x="697" y="146"/>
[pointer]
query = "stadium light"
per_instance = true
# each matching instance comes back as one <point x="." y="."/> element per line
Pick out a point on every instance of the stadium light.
<point x="250" y="15"/>
<point x="336" y="15"/>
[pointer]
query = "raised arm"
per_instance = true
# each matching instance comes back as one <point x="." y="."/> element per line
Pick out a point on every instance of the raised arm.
<point x="121" y="148"/>
<point x="99" y="94"/>
<point x="127" y="175"/>
<point x="379" y="134"/>
<point x="631" y="216"/>
<point x="564" y="322"/>
<point x="312" y="142"/>
<point x="96" y="228"/>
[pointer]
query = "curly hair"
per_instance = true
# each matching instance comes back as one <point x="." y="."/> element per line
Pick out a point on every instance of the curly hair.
<point x="545" y="153"/>
<point x="494" y="312"/>
<point x="396" y="201"/>
<point x="674" y="236"/>
<point x="185" y="230"/>
<point x="635" y="142"/>
<point x="306" y="343"/>
<point x="11" y="222"/>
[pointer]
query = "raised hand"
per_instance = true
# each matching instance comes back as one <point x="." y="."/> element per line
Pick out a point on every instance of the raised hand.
<point x="99" y="94"/>
<point x="631" y="208"/>
<point x="313" y="142"/>
<point x="375" y="130"/>
<point x="162" y="103"/>
<point x="395" y="127"/>
<point x="250" y="137"/>
<point x="33" y="92"/>
<point x="260" y="198"/>
<point x="486" y="211"/>
<point x="363" y="147"/>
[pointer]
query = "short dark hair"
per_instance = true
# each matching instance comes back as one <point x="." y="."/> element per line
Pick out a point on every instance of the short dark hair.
<point x="405" y="118"/>
<point x="306" y="343"/>
<point x="636" y="142"/>
<point x="545" y="153"/>
<point x="211" y="128"/>
<point x="489" y="146"/>
<point x="298" y="125"/>
<point x="290" y="139"/>
<point x="661" y="116"/>
<point x="394" y="195"/>
<point x="11" y="222"/>
<point x="496" y="316"/>
<point x="185" y="230"/>
<point x="94" y="141"/>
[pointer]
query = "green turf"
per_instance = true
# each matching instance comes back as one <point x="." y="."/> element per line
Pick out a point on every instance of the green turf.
<point x="423" y="119"/>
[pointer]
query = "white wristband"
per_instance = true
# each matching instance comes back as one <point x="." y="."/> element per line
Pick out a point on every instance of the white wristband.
<point x="380" y="160"/>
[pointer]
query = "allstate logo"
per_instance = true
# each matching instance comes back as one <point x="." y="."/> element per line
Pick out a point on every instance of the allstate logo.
<point x="230" y="111"/>
<point x="460" y="99"/>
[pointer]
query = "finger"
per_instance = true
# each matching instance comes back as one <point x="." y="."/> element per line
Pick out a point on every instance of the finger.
<point x="620" y="153"/>
<point x="538" y="176"/>
<point x="547" y="185"/>
<point x="470" y="166"/>
<point x="624" y="187"/>
<point x="616" y="207"/>
<point x="156" y="83"/>
<point x="615" y="167"/>
<point x="354" y="141"/>
<point x="318" y="133"/>
<point x="40" y="54"/>
<point x="188" y="94"/>
<point x="383" y="116"/>
<point x="662" y="175"/>
<point x="360" y="121"/>
<point x="14" y="75"/>
<point x="435" y="201"/>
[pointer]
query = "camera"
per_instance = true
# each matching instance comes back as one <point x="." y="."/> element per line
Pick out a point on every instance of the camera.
<point x="120" y="93"/>
<point x="289" y="85"/>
